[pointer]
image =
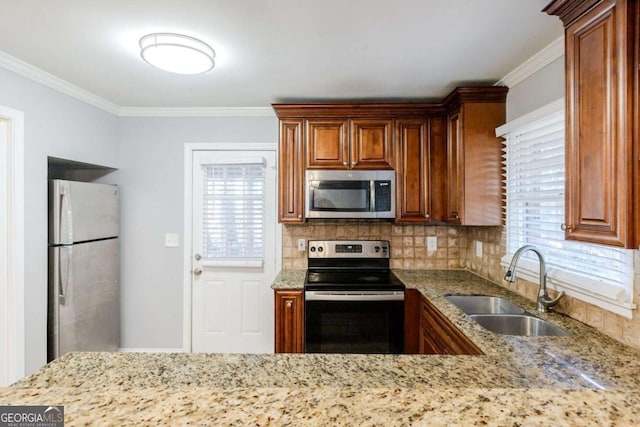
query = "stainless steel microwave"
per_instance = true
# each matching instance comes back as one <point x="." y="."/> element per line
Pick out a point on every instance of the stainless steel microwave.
<point x="350" y="194"/>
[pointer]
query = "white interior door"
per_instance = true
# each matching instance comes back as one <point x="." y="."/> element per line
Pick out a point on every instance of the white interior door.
<point x="234" y="251"/>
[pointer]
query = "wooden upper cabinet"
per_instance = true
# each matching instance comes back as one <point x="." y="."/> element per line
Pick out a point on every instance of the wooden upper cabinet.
<point x="349" y="144"/>
<point x="474" y="162"/>
<point x="412" y="171"/>
<point x="291" y="176"/>
<point x="327" y="143"/>
<point x="601" y="62"/>
<point x="371" y="144"/>
<point x="446" y="155"/>
<point x="455" y="172"/>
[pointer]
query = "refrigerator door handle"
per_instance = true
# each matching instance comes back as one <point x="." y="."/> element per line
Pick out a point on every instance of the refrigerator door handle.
<point x="62" y="278"/>
<point x="65" y="225"/>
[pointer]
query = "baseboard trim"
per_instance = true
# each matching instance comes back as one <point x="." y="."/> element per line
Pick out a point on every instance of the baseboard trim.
<point x="151" y="350"/>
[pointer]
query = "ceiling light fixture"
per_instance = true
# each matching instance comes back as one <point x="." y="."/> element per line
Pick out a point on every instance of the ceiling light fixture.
<point x="177" y="53"/>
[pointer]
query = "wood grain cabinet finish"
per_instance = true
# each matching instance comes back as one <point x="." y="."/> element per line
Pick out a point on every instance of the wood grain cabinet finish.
<point x="439" y="334"/>
<point x="327" y="142"/>
<point x="428" y="331"/>
<point x="413" y="201"/>
<point x="446" y="155"/>
<point x="474" y="169"/>
<point x="371" y="144"/>
<point x="349" y="144"/>
<point x="289" y="321"/>
<point x="291" y="172"/>
<point x="601" y="62"/>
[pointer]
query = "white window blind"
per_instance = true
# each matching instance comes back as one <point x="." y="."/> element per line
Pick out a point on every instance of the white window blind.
<point x="233" y="214"/>
<point x="535" y="191"/>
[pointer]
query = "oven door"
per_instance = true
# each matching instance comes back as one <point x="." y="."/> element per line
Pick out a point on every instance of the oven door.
<point x="354" y="322"/>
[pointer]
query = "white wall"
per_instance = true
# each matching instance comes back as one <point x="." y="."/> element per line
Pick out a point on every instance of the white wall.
<point x="60" y="126"/>
<point x="152" y="194"/>
<point x="543" y="87"/>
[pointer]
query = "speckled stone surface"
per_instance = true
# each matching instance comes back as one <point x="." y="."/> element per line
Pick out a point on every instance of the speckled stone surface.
<point x="289" y="279"/>
<point x="584" y="378"/>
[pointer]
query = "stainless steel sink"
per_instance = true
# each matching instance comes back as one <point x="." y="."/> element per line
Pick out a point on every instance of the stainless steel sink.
<point x="480" y="304"/>
<point x="517" y="324"/>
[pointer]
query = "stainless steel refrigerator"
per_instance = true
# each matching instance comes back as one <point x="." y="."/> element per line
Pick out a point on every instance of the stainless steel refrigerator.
<point x="84" y="303"/>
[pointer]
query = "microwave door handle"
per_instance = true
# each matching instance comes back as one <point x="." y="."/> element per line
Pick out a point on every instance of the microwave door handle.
<point x="372" y="186"/>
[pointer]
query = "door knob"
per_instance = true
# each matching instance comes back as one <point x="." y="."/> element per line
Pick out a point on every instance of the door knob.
<point x="198" y="257"/>
<point x="197" y="272"/>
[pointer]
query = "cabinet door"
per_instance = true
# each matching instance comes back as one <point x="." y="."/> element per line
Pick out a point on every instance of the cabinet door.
<point x="289" y="328"/>
<point x="438" y="168"/>
<point x="442" y="334"/>
<point x="327" y="144"/>
<point x="291" y="172"/>
<point x="455" y="171"/>
<point x="429" y="345"/>
<point x="412" y="170"/>
<point x="371" y="144"/>
<point x="599" y="126"/>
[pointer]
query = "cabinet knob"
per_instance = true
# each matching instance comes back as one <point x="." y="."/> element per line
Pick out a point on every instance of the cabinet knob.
<point x="565" y="227"/>
<point x="289" y="304"/>
<point x="427" y="216"/>
<point x="345" y="163"/>
<point x="353" y="163"/>
<point x="300" y="216"/>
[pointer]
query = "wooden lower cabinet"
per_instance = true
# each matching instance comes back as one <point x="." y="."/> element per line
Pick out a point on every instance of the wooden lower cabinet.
<point x="435" y="334"/>
<point x="289" y="321"/>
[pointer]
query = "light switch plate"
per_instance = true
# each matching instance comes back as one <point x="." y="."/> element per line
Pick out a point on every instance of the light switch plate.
<point x="171" y="240"/>
<point x="479" y="249"/>
<point x="432" y="243"/>
<point x="301" y="245"/>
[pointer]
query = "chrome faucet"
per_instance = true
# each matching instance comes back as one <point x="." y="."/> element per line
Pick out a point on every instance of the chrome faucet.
<point x="544" y="301"/>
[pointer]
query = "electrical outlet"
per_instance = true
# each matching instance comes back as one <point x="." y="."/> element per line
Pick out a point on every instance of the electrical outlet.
<point x="432" y="243"/>
<point x="479" y="249"/>
<point x="171" y="240"/>
<point x="302" y="245"/>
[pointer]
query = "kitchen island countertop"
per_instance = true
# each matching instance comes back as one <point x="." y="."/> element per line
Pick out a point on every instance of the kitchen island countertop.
<point x="584" y="378"/>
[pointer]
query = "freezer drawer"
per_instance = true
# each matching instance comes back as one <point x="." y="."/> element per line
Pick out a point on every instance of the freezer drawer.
<point x="82" y="211"/>
<point x="84" y="303"/>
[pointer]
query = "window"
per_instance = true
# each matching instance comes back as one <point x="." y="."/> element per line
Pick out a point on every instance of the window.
<point x="233" y="213"/>
<point x="535" y="182"/>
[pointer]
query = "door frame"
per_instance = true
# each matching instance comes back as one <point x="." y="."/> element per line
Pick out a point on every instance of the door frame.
<point x="12" y="285"/>
<point x="189" y="149"/>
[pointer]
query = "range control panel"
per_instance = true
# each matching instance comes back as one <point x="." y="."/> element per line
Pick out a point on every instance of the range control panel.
<point x="348" y="249"/>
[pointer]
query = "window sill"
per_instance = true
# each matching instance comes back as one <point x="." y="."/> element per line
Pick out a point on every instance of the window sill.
<point x="584" y="288"/>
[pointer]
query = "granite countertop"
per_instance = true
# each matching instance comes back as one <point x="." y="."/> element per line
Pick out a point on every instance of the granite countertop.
<point x="584" y="378"/>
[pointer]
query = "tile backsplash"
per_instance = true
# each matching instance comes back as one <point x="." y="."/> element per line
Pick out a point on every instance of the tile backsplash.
<point x="456" y="248"/>
<point x="408" y="242"/>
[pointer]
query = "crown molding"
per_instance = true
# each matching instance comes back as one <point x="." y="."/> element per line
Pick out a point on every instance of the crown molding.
<point x="37" y="75"/>
<point x="197" y="112"/>
<point x="534" y="64"/>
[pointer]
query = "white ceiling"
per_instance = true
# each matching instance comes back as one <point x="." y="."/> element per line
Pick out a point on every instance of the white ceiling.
<point x="279" y="50"/>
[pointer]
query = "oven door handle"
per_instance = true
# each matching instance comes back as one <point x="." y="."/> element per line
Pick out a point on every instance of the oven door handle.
<point x="353" y="296"/>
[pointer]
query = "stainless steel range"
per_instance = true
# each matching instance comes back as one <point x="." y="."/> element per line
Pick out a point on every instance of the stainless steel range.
<point x="353" y="302"/>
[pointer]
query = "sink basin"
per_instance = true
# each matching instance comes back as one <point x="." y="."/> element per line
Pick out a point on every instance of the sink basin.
<point x="478" y="304"/>
<point x="517" y="324"/>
